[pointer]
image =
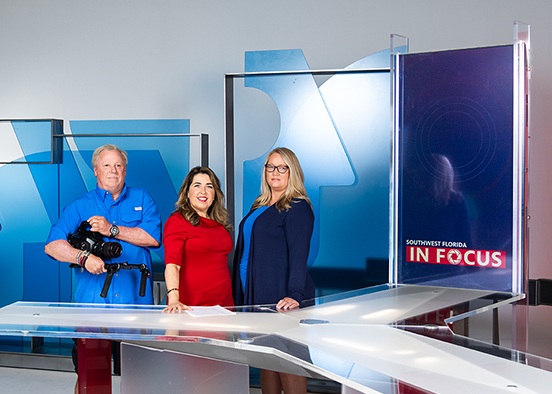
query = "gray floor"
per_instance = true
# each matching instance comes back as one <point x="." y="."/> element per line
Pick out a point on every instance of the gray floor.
<point x="19" y="380"/>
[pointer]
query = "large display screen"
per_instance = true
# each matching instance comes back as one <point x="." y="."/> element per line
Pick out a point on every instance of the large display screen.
<point x="455" y="182"/>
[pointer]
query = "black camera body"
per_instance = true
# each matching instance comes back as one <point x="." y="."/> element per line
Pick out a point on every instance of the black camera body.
<point x="93" y="242"/>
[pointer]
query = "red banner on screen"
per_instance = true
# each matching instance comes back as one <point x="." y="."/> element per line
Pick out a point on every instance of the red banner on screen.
<point x="454" y="256"/>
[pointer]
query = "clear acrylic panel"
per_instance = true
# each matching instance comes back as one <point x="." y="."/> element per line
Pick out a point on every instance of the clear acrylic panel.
<point x="399" y="45"/>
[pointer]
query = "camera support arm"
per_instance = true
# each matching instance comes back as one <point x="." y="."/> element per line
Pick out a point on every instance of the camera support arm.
<point x="112" y="268"/>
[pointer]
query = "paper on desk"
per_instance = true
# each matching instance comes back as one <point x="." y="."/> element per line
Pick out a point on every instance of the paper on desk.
<point x="199" y="311"/>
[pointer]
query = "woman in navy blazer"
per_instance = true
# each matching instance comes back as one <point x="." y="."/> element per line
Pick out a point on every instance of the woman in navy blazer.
<point x="273" y="249"/>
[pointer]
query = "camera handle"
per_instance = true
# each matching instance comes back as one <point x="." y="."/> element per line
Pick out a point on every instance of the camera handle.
<point x="111" y="269"/>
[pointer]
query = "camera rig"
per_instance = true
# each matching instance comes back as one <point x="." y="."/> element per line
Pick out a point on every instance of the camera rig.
<point x="92" y="241"/>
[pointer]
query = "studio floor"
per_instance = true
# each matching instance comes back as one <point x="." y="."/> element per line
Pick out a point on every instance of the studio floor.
<point x="21" y="380"/>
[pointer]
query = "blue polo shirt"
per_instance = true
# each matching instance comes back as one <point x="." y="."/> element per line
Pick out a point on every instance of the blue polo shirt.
<point x="134" y="208"/>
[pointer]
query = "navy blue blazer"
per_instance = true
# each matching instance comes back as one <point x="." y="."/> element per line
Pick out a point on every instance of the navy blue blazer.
<point x="279" y="250"/>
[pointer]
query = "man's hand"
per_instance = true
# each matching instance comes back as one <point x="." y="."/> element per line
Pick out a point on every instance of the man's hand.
<point x="61" y="250"/>
<point x="95" y="265"/>
<point x="101" y="225"/>
<point x="133" y="235"/>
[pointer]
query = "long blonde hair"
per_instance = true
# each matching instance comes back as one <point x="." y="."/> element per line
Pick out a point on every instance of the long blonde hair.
<point x="296" y="182"/>
<point x="216" y="211"/>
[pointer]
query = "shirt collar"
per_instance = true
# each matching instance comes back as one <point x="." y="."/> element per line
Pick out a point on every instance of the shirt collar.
<point x="102" y="194"/>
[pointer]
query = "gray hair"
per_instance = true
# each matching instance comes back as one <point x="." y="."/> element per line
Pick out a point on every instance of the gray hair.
<point x="108" y="147"/>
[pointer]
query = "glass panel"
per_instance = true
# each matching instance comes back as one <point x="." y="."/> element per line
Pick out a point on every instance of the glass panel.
<point x="522" y="75"/>
<point x="337" y="122"/>
<point x="29" y="141"/>
<point x="522" y="97"/>
<point x="399" y="45"/>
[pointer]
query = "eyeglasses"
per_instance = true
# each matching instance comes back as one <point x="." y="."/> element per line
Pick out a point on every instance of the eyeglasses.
<point x="281" y="169"/>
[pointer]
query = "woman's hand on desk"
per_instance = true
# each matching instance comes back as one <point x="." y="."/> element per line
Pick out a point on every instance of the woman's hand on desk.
<point x="177" y="306"/>
<point x="287" y="304"/>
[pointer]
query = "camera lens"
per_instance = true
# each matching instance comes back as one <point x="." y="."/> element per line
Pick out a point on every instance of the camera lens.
<point x="111" y="249"/>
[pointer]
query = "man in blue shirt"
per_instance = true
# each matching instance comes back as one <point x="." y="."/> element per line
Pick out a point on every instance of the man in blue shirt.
<point x="121" y="214"/>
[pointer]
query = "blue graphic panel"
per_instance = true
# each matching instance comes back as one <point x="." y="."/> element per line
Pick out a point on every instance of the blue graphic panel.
<point x="33" y="195"/>
<point x="24" y="215"/>
<point x="455" y="180"/>
<point x="44" y="279"/>
<point x="24" y="220"/>
<point x="35" y="139"/>
<point x="355" y="227"/>
<point x="340" y="133"/>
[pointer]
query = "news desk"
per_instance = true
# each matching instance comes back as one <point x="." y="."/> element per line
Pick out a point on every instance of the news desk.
<point x="369" y="340"/>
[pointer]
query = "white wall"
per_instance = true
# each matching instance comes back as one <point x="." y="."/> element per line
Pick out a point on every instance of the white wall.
<point x="160" y="59"/>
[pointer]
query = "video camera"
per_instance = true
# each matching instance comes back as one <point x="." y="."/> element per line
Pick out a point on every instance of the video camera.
<point x="92" y="241"/>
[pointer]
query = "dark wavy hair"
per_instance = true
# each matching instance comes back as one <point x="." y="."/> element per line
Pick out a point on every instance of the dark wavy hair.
<point x="216" y="211"/>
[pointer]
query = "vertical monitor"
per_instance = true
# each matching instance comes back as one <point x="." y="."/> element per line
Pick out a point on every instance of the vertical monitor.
<point x="454" y="207"/>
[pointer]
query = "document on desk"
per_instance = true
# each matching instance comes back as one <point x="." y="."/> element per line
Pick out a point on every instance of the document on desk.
<point x="201" y="311"/>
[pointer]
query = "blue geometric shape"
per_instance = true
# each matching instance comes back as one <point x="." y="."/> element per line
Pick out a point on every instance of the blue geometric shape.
<point x="359" y="104"/>
<point x="341" y="135"/>
<point x="306" y="128"/>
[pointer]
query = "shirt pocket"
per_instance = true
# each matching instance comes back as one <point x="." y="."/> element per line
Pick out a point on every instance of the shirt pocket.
<point x="131" y="219"/>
